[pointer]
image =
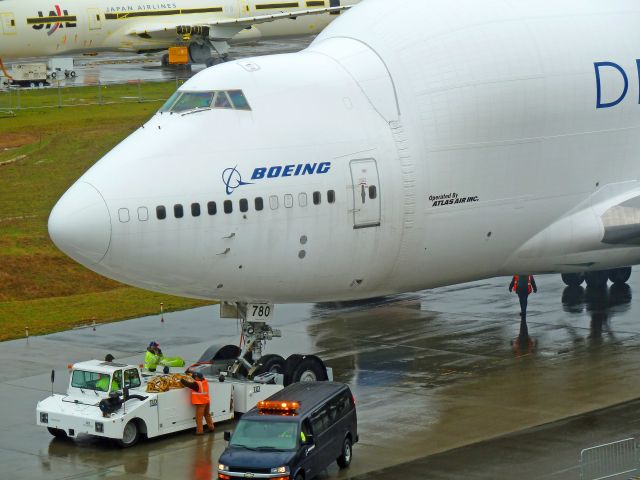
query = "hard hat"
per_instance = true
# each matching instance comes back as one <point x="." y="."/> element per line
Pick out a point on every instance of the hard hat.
<point x="154" y="344"/>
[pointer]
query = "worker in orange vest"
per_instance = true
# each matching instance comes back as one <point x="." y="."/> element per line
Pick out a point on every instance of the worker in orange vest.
<point x="200" y="398"/>
<point x="523" y="285"/>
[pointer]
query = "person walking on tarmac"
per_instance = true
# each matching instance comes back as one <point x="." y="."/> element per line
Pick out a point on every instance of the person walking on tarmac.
<point x="200" y="398"/>
<point x="523" y="289"/>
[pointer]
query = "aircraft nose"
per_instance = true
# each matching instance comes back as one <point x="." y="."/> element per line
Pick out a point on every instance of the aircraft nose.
<point x="80" y="224"/>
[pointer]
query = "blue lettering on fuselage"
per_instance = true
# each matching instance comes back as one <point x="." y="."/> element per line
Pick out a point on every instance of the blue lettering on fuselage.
<point x="232" y="178"/>
<point x="279" y="171"/>
<point x="612" y="69"/>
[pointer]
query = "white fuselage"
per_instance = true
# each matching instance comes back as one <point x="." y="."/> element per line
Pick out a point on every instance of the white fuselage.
<point x="461" y="140"/>
<point x="42" y="28"/>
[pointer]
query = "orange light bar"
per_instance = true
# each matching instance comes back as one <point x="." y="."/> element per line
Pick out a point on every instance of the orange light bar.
<point x="276" y="406"/>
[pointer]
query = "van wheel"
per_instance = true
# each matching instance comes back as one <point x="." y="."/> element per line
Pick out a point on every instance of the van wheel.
<point x="308" y="369"/>
<point x="344" y="460"/>
<point x="299" y="477"/>
<point x="57" y="432"/>
<point x="270" y="363"/>
<point x="130" y="435"/>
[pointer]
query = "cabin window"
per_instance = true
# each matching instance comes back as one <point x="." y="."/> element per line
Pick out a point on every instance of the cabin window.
<point x="288" y="200"/>
<point x="373" y="192"/>
<point x="331" y="196"/>
<point x="228" y="206"/>
<point x="195" y="209"/>
<point x="161" y="212"/>
<point x="123" y="215"/>
<point x="259" y="203"/>
<point x="143" y="214"/>
<point x="178" y="211"/>
<point x="302" y="199"/>
<point x="244" y="205"/>
<point x="317" y="198"/>
<point x="212" y="209"/>
<point x="273" y="202"/>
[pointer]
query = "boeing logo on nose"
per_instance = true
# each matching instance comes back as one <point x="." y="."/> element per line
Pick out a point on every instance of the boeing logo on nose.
<point x="232" y="179"/>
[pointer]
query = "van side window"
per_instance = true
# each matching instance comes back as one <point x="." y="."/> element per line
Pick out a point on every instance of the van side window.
<point x="320" y="421"/>
<point x="339" y="406"/>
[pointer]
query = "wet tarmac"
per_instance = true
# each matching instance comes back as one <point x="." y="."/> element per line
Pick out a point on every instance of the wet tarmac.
<point x="107" y="68"/>
<point x="432" y="372"/>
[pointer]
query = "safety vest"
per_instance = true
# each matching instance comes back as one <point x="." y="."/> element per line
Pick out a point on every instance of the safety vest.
<point x="150" y="361"/>
<point x="529" y="286"/>
<point x="201" y="397"/>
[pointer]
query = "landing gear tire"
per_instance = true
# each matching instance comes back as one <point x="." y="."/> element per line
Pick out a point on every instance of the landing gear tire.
<point x="57" y="432"/>
<point x="165" y="60"/>
<point x="597" y="279"/>
<point x="619" y="276"/>
<point x="210" y="62"/>
<point x="573" y="279"/>
<point x="304" y="369"/>
<point x="344" y="460"/>
<point x="72" y="74"/>
<point x="130" y="435"/>
<point x="299" y="477"/>
<point x="270" y="363"/>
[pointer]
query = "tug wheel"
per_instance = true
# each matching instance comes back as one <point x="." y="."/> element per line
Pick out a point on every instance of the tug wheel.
<point x="57" y="432"/>
<point x="130" y="435"/>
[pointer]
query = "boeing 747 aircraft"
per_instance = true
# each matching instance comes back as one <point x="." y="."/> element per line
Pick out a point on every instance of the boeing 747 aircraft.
<point x="45" y="28"/>
<point x="406" y="148"/>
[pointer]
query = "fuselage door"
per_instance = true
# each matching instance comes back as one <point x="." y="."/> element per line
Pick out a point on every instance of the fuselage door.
<point x="95" y="18"/>
<point x="8" y="23"/>
<point x="366" y="193"/>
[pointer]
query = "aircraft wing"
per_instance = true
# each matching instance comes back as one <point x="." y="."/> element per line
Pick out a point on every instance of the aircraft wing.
<point x="223" y="29"/>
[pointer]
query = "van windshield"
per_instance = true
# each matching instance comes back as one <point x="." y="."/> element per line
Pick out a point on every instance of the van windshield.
<point x="265" y="435"/>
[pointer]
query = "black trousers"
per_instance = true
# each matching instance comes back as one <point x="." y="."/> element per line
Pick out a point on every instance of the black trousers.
<point x="523" y="297"/>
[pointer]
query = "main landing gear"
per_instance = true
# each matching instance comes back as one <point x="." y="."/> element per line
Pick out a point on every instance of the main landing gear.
<point x="248" y="362"/>
<point x="598" y="279"/>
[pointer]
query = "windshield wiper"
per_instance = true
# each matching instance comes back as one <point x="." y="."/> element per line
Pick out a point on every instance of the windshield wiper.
<point x="242" y="446"/>
<point x="196" y="110"/>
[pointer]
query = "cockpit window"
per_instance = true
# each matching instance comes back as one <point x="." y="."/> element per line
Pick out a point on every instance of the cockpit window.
<point x="222" y="101"/>
<point x="192" y="101"/>
<point x="238" y="99"/>
<point x="182" y="101"/>
<point x="169" y="103"/>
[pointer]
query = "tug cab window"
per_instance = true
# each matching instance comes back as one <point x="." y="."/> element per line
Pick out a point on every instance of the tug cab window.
<point x="182" y="101"/>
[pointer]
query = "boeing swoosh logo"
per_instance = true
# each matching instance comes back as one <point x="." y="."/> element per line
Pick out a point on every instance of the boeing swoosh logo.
<point x="232" y="179"/>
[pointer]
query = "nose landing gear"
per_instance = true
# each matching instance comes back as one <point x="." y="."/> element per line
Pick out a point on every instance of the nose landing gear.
<point x="248" y="362"/>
